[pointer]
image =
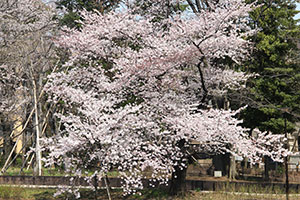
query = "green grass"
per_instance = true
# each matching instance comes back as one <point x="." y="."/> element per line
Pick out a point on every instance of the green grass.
<point x="15" y="171"/>
<point x="16" y="193"/>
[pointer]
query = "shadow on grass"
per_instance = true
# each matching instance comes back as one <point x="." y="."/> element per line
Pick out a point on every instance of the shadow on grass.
<point x="102" y="195"/>
<point x="44" y="196"/>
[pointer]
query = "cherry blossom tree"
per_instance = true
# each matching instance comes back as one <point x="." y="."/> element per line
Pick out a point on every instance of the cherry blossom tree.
<point x="138" y="88"/>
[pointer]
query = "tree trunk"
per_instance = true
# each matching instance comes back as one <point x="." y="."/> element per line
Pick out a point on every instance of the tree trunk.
<point x="232" y="168"/>
<point x="38" y="166"/>
<point x="178" y="181"/>
<point x="266" y="161"/>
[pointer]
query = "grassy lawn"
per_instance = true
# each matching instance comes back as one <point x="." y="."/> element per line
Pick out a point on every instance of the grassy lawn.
<point x="15" y="171"/>
<point x="17" y="193"/>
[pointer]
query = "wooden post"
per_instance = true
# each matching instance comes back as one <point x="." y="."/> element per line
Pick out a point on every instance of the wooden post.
<point x="286" y="164"/>
<point x="107" y="187"/>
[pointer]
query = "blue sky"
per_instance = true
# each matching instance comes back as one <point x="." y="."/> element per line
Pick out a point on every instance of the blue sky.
<point x="298" y="8"/>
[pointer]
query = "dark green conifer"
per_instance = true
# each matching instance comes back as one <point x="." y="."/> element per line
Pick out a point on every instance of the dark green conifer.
<point x="71" y="9"/>
<point x="276" y="89"/>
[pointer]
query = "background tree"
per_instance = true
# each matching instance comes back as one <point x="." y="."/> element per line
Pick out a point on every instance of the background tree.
<point x="27" y="53"/>
<point x="71" y="9"/>
<point x="274" y="92"/>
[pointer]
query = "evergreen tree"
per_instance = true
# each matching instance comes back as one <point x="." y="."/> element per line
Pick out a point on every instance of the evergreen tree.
<point x="276" y="91"/>
<point x="72" y="9"/>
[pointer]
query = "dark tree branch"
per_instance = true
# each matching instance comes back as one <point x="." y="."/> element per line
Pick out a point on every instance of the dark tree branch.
<point x="192" y="6"/>
<point x="205" y="91"/>
<point x="199" y="7"/>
